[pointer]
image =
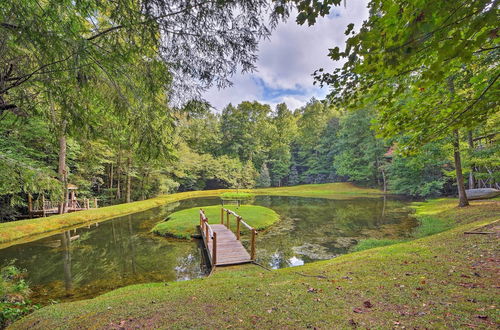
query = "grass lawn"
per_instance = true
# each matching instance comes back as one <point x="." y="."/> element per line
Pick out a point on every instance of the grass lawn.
<point x="182" y="224"/>
<point x="236" y="195"/>
<point x="27" y="230"/>
<point x="447" y="280"/>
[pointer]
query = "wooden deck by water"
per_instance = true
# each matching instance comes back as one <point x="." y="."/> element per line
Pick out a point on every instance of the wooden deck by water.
<point x="223" y="246"/>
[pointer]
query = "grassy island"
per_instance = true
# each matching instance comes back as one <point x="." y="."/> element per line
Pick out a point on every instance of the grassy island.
<point x="182" y="224"/>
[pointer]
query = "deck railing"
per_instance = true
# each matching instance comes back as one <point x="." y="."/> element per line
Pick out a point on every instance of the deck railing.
<point x="43" y="206"/>
<point x="208" y="235"/>
<point x="239" y="222"/>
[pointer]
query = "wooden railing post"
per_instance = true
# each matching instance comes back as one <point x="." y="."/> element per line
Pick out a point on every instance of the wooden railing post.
<point x="43" y="205"/>
<point x="214" y="249"/>
<point x="95" y="202"/>
<point x="222" y="216"/>
<point x="252" y="253"/>
<point x="227" y="224"/>
<point x="238" y="220"/>
<point x="206" y="229"/>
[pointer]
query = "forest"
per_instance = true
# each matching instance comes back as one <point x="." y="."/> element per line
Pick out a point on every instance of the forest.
<point x="101" y="111"/>
<point x="131" y="197"/>
<point x="247" y="145"/>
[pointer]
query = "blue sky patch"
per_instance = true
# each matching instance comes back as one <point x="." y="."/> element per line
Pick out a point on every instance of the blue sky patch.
<point x="269" y="93"/>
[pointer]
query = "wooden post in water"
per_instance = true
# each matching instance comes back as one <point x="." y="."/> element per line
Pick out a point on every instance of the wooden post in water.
<point x="222" y="216"/>
<point x="238" y="219"/>
<point x="252" y="253"/>
<point x="214" y="249"/>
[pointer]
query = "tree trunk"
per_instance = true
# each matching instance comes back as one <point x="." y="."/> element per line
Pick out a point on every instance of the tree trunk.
<point x="62" y="166"/>
<point x="471" y="173"/>
<point x="384" y="180"/>
<point x="111" y="176"/>
<point x="462" y="197"/>
<point x="129" y="179"/>
<point x="118" y="178"/>
<point x="111" y="181"/>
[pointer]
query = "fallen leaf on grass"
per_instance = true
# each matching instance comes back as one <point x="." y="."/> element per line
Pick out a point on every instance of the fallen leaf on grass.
<point x="357" y="310"/>
<point x="367" y="304"/>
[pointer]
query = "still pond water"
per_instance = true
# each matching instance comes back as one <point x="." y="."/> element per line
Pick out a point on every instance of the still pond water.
<point x="88" y="261"/>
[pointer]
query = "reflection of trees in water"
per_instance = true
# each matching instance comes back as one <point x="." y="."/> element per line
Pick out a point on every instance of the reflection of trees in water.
<point x="101" y="259"/>
<point x="66" y="249"/>
<point x="315" y="229"/>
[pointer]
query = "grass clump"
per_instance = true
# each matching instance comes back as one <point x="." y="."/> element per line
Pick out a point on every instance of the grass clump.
<point x="14" y="294"/>
<point x="236" y="196"/>
<point x="183" y="224"/>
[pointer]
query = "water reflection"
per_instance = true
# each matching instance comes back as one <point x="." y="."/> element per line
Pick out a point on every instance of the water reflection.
<point x="316" y="229"/>
<point x="85" y="262"/>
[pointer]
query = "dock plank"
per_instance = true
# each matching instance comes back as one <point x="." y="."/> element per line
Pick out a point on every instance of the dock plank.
<point x="230" y="251"/>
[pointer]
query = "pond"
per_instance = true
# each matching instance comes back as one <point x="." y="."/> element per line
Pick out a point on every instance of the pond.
<point x="87" y="261"/>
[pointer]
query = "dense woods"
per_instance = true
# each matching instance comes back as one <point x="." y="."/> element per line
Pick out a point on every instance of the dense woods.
<point x="245" y="146"/>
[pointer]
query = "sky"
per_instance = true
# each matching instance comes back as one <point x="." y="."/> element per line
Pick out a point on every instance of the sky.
<point x="288" y="59"/>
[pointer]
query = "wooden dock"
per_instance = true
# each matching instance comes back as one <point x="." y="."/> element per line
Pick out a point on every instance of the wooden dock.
<point x="222" y="245"/>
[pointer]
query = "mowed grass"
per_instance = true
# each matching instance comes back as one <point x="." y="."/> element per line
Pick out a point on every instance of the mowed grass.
<point x="183" y="224"/>
<point x="447" y="280"/>
<point x="26" y="230"/>
<point x="236" y="196"/>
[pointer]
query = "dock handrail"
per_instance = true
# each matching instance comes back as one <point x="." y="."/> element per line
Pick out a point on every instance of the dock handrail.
<point x="208" y="234"/>
<point x="239" y="220"/>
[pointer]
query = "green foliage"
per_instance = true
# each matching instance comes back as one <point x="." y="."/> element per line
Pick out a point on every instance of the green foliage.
<point x="428" y="67"/>
<point x="359" y="151"/>
<point x="264" y="179"/>
<point x="245" y="131"/>
<point x="14" y="293"/>
<point x="419" y="174"/>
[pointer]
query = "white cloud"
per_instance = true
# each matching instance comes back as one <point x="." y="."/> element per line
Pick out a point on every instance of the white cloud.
<point x="288" y="59"/>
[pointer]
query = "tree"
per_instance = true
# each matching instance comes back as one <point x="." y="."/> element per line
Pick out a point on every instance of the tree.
<point x="360" y="153"/>
<point x="264" y="179"/>
<point x="283" y="132"/>
<point x="202" y="41"/>
<point x="427" y="67"/>
<point x="312" y="121"/>
<point x="421" y="173"/>
<point x="245" y="131"/>
<point x="293" y="178"/>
